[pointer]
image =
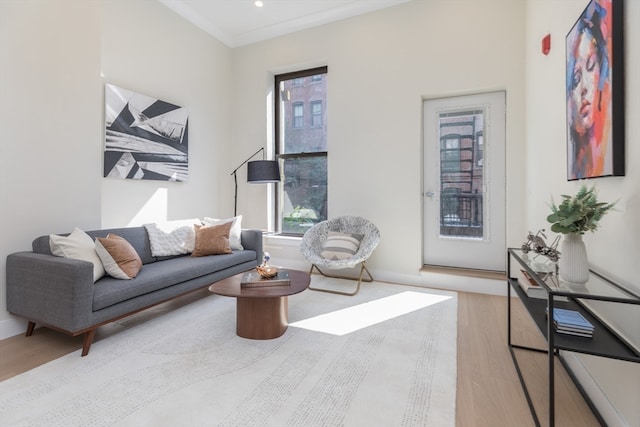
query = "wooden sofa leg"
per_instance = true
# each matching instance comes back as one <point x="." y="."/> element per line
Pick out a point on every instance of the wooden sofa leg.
<point x="88" y="340"/>
<point x="30" y="327"/>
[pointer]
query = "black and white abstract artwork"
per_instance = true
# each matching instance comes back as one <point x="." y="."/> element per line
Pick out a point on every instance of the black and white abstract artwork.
<point x="145" y="138"/>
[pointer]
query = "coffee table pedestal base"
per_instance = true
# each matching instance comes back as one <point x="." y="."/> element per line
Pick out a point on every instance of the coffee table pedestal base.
<point x="261" y="318"/>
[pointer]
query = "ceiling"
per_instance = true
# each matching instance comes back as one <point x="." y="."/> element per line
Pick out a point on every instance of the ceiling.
<point x="240" y="22"/>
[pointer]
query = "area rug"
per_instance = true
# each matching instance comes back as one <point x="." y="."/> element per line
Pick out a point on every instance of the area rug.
<point x="385" y="357"/>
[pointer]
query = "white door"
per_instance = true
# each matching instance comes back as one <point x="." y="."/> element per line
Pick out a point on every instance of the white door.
<point x="464" y="181"/>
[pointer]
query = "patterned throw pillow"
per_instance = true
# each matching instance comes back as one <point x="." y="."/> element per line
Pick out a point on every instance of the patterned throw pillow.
<point x="341" y="245"/>
<point x="119" y="258"/>
<point x="212" y="240"/>
<point x="172" y="238"/>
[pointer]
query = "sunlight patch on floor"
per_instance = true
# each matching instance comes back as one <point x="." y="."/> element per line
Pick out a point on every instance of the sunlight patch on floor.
<point x="347" y="320"/>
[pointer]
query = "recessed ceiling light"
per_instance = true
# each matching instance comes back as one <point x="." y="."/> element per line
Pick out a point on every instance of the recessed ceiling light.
<point x="258" y="3"/>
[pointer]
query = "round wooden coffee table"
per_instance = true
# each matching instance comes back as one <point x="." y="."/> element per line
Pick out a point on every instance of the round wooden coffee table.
<point x="262" y="313"/>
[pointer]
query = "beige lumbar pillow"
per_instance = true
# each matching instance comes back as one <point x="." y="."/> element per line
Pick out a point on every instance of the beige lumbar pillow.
<point x="119" y="258"/>
<point x="212" y="240"/>
<point x="341" y="245"/>
<point x="77" y="245"/>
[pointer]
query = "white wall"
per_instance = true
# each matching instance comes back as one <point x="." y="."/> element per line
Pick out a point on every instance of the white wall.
<point x="381" y="67"/>
<point x="615" y="247"/>
<point x="149" y="49"/>
<point x="50" y="120"/>
<point x="55" y="57"/>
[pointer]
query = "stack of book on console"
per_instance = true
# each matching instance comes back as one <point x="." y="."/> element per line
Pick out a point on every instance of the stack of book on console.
<point x="251" y="279"/>
<point x="530" y="287"/>
<point x="571" y="322"/>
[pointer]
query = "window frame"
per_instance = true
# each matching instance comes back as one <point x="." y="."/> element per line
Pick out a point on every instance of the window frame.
<point x="278" y="78"/>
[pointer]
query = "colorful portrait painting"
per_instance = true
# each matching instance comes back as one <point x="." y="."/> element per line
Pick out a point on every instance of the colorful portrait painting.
<point x="595" y="125"/>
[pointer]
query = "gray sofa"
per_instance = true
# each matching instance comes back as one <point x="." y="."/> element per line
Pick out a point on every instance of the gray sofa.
<point x="60" y="293"/>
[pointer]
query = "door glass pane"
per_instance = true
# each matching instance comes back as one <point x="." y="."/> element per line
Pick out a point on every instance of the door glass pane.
<point x="461" y="174"/>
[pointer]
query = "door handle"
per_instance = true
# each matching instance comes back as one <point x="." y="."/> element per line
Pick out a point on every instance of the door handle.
<point x="429" y="194"/>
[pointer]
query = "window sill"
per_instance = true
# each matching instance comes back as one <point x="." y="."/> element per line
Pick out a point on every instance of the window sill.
<point x="282" y="239"/>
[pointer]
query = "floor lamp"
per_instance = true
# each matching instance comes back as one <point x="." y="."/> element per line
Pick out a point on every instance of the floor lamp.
<point x="258" y="172"/>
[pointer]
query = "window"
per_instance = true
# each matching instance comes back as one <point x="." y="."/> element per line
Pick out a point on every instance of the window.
<point x="298" y="115"/>
<point x="479" y="148"/>
<point x="450" y="154"/>
<point x="316" y="114"/>
<point x="301" y="199"/>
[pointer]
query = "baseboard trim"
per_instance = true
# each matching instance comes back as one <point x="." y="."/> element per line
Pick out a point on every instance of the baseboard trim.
<point x="468" y="272"/>
<point x="12" y="326"/>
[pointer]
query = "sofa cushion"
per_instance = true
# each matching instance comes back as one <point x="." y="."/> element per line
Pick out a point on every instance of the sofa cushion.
<point x="137" y="236"/>
<point x="212" y="240"/>
<point x="119" y="258"/>
<point x="77" y="245"/>
<point x="158" y="275"/>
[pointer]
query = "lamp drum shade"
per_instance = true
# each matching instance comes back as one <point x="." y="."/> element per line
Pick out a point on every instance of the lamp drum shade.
<point x="263" y="171"/>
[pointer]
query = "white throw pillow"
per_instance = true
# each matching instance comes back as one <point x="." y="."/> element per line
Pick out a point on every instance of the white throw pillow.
<point x="172" y="237"/>
<point x="78" y="245"/>
<point x="234" y="234"/>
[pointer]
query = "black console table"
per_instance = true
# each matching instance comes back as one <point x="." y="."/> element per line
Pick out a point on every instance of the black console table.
<point x="605" y="341"/>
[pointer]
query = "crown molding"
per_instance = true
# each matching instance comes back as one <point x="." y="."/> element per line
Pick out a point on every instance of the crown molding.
<point x="314" y="19"/>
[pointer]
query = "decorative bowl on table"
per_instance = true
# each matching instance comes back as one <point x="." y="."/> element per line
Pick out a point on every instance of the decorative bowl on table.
<point x="267" y="271"/>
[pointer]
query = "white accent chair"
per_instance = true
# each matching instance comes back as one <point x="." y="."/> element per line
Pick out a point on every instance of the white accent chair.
<point x="313" y="244"/>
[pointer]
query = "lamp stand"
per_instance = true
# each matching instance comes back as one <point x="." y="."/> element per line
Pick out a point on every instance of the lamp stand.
<point x="264" y="171"/>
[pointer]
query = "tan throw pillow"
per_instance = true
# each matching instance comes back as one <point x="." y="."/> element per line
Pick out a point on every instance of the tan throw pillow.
<point x="341" y="245"/>
<point x="235" y="235"/>
<point x="119" y="258"/>
<point x="212" y="240"/>
<point x="77" y="245"/>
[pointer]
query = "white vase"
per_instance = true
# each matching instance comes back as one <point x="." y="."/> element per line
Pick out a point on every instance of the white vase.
<point x="573" y="264"/>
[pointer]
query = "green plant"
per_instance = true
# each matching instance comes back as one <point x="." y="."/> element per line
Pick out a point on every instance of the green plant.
<point x="578" y="214"/>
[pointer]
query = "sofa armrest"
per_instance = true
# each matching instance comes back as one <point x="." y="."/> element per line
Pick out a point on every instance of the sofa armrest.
<point x="252" y="240"/>
<point x="51" y="290"/>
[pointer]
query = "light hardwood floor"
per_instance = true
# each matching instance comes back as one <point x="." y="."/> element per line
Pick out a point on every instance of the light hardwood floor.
<point x="488" y="394"/>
